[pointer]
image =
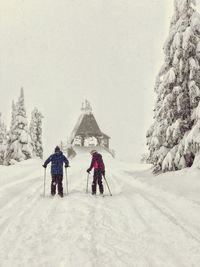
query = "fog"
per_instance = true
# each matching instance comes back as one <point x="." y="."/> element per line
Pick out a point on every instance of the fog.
<point x="63" y="52"/>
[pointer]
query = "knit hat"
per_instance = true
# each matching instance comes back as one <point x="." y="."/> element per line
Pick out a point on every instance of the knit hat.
<point x="57" y="149"/>
<point x="93" y="151"/>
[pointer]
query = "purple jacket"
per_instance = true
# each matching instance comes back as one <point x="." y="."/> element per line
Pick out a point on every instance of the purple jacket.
<point x="97" y="163"/>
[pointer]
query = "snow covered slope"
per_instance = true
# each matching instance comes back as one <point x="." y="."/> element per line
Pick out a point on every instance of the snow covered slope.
<point x="146" y="223"/>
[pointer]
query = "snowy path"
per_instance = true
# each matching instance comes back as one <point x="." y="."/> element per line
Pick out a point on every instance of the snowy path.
<point x="139" y="226"/>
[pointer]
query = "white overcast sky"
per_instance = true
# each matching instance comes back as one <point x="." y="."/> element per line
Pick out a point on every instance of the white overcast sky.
<point x="62" y="52"/>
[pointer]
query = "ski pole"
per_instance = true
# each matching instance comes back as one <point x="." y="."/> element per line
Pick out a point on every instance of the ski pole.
<point x="87" y="183"/>
<point x="44" y="180"/>
<point x="107" y="185"/>
<point x="66" y="182"/>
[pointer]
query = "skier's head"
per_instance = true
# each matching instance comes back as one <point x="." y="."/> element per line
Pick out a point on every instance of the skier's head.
<point x="57" y="149"/>
<point x="93" y="151"/>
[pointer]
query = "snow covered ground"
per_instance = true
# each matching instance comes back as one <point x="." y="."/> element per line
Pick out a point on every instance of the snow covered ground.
<point x="150" y="221"/>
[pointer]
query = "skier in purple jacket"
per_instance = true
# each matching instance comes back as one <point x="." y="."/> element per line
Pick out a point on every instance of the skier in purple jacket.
<point x="99" y="170"/>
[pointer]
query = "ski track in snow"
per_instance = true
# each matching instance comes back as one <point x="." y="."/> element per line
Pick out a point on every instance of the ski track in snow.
<point x="139" y="226"/>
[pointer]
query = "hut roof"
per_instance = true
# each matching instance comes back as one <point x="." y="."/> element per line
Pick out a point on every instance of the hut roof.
<point x="87" y="125"/>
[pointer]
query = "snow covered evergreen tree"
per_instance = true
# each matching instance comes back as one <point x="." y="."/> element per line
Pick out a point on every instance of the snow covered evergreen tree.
<point x="11" y="136"/>
<point x="170" y="138"/>
<point x="19" y="145"/>
<point x="3" y="135"/>
<point x="36" y="133"/>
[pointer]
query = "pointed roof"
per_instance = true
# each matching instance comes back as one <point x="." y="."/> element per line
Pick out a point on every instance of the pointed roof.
<point x="86" y="124"/>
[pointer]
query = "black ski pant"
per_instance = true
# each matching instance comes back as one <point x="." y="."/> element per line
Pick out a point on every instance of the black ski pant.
<point x="57" y="180"/>
<point x="97" y="178"/>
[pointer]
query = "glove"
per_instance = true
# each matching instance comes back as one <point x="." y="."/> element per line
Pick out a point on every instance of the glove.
<point x="44" y="166"/>
<point x="88" y="170"/>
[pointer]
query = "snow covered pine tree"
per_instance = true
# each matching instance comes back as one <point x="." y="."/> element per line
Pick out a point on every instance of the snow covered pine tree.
<point x="35" y="130"/>
<point x="173" y="138"/>
<point x="3" y="135"/>
<point x="19" y="145"/>
<point x="10" y="135"/>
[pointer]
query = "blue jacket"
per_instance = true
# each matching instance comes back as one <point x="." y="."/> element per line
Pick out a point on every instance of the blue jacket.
<point x="57" y="159"/>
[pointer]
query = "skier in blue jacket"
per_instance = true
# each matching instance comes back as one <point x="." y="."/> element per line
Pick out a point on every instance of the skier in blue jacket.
<point x="57" y="160"/>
